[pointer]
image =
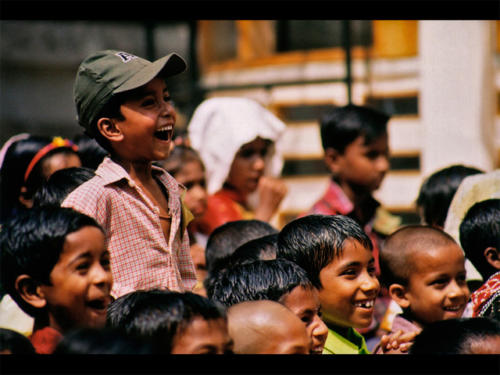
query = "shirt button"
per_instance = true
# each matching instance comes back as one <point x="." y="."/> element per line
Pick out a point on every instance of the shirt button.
<point x="131" y="184"/>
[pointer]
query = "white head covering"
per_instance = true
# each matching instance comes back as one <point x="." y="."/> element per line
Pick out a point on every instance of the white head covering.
<point x="220" y="126"/>
<point x="472" y="189"/>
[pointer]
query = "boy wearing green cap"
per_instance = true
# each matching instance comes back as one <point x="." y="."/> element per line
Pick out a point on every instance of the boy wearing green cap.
<point x="122" y="101"/>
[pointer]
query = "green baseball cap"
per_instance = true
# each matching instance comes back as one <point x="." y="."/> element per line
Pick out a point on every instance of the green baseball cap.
<point x="109" y="72"/>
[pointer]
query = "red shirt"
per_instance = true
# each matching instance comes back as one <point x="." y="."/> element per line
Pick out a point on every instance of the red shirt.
<point x="223" y="206"/>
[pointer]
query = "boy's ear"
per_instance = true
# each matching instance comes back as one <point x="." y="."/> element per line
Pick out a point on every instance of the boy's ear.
<point x="109" y="129"/>
<point x="332" y="157"/>
<point x="398" y="294"/>
<point x="30" y="291"/>
<point x="492" y="255"/>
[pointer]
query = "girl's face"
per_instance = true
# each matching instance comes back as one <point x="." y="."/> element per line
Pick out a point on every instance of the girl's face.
<point x="60" y="161"/>
<point x="192" y="176"/>
<point x="248" y="165"/>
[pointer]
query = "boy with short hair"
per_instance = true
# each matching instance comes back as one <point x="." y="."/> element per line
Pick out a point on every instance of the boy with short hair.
<point x="337" y="256"/>
<point x="175" y="323"/>
<point x="266" y="327"/>
<point x="424" y="271"/>
<point x="356" y="152"/>
<point x="480" y="239"/>
<point x="122" y="101"/>
<point x="55" y="265"/>
<point x="277" y="280"/>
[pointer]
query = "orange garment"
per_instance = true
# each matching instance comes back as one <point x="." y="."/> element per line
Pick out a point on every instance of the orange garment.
<point x="223" y="206"/>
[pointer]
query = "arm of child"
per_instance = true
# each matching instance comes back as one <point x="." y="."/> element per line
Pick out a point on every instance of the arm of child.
<point x="271" y="193"/>
<point x="395" y="343"/>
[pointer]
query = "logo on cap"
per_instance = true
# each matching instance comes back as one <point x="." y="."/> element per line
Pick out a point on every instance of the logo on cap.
<point x="126" y="57"/>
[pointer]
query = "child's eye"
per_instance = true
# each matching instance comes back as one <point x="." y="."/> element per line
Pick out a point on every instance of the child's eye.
<point x="306" y="319"/>
<point x="320" y="313"/>
<point x="83" y="266"/>
<point x="349" y="272"/>
<point x="247" y="154"/>
<point x="188" y="185"/>
<point x="167" y="98"/>
<point x="440" y="282"/>
<point x="105" y="263"/>
<point x="148" y="102"/>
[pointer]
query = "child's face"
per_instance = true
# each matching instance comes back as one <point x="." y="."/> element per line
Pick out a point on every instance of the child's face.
<point x="192" y="176"/>
<point x="204" y="337"/>
<point x="437" y="289"/>
<point x="248" y="165"/>
<point x="81" y="282"/>
<point x="59" y="161"/>
<point x="349" y="287"/>
<point x="149" y="123"/>
<point x="304" y="302"/>
<point x="363" y="166"/>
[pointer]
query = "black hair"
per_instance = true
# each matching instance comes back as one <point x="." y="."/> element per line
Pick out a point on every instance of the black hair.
<point x="480" y="229"/>
<point x="15" y="342"/>
<point x="454" y="336"/>
<point x="437" y="191"/>
<point x="226" y="238"/>
<point x="31" y="244"/>
<point x="160" y="315"/>
<point x="102" y="341"/>
<point x="180" y="155"/>
<point x="264" y="248"/>
<point x="313" y="241"/>
<point x="340" y="126"/>
<point x="60" y="184"/>
<point x="17" y="158"/>
<point x="257" y="280"/>
<point x="91" y="153"/>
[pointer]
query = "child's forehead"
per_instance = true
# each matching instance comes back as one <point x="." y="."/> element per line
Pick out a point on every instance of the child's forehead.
<point x="146" y="89"/>
<point x="435" y="259"/>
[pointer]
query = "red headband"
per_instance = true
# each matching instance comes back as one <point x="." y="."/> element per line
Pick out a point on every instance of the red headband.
<point x="57" y="142"/>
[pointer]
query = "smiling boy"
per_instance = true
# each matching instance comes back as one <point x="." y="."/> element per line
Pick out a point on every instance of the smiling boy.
<point x="122" y="101"/>
<point x="424" y="271"/>
<point x="337" y="256"/>
<point x="56" y="267"/>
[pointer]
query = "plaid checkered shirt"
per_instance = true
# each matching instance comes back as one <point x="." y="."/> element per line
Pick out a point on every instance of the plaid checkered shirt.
<point x="141" y="258"/>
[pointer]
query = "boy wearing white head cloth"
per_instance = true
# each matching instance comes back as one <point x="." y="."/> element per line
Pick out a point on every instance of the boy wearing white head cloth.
<point x="239" y="143"/>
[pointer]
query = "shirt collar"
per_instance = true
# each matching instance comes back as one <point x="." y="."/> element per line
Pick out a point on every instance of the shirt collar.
<point x="338" y="344"/>
<point x="112" y="172"/>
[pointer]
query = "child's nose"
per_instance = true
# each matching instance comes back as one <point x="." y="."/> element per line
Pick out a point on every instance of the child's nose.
<point x="370" y="284"/>
<point x="102" y="276"/>
<point x="259" y="163"/>
<point x="383" y="163"/>
<point x="458" y="291"/>
<point x="320" y="330"/>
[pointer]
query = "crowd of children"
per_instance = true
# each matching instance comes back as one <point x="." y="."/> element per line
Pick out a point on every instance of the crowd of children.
<point x="122" y="242"/>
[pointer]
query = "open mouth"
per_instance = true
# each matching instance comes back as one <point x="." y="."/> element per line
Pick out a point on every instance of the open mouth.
<point x="100" y="305"/>
<point x="164" y="133"/>
<point x="455" y="309"/>
<point x="367" y="304"/>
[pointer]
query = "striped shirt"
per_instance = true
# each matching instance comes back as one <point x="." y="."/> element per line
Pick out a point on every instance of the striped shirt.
<point x="141" y="258"/>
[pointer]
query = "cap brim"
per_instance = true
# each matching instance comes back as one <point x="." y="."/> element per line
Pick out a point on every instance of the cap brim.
<point x="167" y="66"/>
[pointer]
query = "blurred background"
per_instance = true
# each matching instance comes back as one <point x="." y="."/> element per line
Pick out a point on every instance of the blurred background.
<point x="440" y="81"/>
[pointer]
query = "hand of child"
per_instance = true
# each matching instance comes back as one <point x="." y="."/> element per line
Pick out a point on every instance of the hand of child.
<point x="271" y="192"/>
<point x="396" y="343"/>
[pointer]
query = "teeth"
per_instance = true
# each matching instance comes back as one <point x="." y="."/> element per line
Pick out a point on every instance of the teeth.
<point x="452" y="308"/>
<point x="165" y="128"/>
<point x="365" y="304"/>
